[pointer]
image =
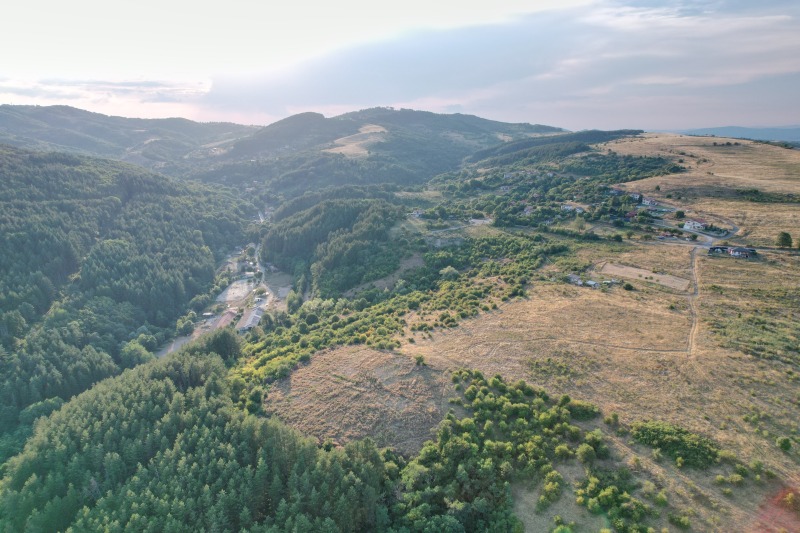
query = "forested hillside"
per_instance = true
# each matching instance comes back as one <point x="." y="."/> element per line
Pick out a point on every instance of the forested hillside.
<point x="99" y="259"/>
<point x="338" y="242"/>
<point x="290" y="155"/>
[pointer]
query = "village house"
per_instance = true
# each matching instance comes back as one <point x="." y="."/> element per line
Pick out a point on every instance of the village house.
<point x="695" y="224"/>
<point x="741" y="252"/>
<point x="649" y="201"/>
<point x="249" y="320"/>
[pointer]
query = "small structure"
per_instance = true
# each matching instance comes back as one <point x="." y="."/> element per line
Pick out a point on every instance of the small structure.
<point x="740" y="252"/>
<point x="718" y="250"/>
<point x="249" y="320"/>
<point x="649" y="201"/>
<point x="635" y="196"/>
<point x="695" y="224"/>
<point x="575" y="280"/>
<point x="592" y="284"/>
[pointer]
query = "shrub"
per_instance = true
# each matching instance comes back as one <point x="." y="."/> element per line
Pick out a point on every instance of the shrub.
<point x="582" y="410"/>
<point x="693" y="450"/>
<point x="586" y="454"/>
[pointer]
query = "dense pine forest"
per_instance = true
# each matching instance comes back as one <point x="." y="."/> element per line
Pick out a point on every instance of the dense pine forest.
<point x="99" y="260"/>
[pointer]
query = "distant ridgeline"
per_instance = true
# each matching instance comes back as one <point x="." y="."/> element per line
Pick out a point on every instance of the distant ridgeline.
<point x="169" y="145"/>
<point x="290" y="155"/>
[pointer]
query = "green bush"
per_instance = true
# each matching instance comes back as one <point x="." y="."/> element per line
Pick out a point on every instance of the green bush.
<point x="693" y="450"/>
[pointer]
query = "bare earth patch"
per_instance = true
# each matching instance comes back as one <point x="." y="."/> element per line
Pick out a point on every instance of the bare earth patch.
<point x="629" y="272"/>
<point x="236" y="291"/>
<point x="357" y="145"/>
<point x="355" y="392"/>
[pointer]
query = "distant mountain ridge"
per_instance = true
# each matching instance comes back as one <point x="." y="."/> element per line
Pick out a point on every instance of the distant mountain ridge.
<point x="306" y="130"/>
<point x="787" y="133"/>
<point x="298" y="153"/>
<point x="152" y="143"/>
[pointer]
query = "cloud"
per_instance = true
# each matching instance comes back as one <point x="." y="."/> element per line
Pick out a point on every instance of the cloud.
<point x="588" y="63"/>
<point x="145" y="98"/>
<point x="604" y="65"/>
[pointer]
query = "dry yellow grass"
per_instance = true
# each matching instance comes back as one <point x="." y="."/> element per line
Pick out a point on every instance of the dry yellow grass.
<point x="358" y="145"/>
<point x="656" y="352"/>
<point x="715" y="173"/>
<point x="748" y="165"/>
<point x="624" y="351"/>
<point x="759" y="223"/>
<point x="635" y="273"/>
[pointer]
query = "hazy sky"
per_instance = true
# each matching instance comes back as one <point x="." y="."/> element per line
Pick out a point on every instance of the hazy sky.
<point x="571" y="63"/>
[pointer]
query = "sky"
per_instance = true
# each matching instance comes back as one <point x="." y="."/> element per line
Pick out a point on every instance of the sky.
<point x="577" y="64"/>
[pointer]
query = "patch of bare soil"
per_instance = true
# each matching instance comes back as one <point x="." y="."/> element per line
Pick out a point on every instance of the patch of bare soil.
<point x="355" y="392"/>
<point x="236" y="291"/>
<point x="774" y="516"/>
<point x="358" y="145"/>
<point x="629" y="272"/>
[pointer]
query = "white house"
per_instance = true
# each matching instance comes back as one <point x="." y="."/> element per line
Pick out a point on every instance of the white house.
<point x="649" y="201"/>
<point x="696" y="225"/>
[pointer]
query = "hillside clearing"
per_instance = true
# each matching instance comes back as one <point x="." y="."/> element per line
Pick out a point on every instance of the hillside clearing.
<point x="357" y="145"/>
<point x="357" y="392"/>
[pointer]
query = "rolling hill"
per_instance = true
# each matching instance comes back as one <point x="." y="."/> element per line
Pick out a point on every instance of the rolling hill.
<point x="153" y="143"/>
<point x="788" y="133"/>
